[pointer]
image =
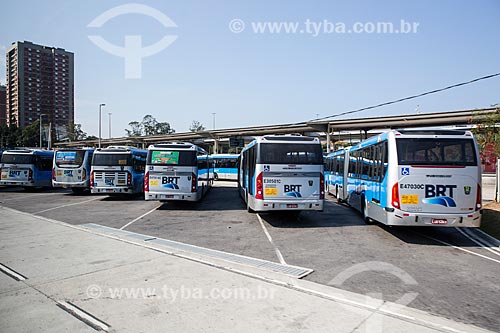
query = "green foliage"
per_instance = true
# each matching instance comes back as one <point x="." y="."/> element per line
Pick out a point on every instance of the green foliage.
<point x="9" y="136"/>
<point x="148" y="126"/>
<point x="196" y="126"/>
<point x="75" y="132"/>
<point x="487" y="132"/>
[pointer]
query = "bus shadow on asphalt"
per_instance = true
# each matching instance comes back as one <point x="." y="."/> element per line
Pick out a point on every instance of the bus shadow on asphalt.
<point x="430" y="236"/>
<point x="123" y="197"/>
<point x="303" y="220"/>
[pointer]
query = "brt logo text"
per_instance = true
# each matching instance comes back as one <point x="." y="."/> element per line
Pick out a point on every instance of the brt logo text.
<point x="292" y="188"/>
<point x="170" y="180"/>
<point x="432" y="191"/>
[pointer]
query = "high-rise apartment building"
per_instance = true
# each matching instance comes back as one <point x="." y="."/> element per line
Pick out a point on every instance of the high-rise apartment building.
<point x="40" y="84"/>
<point x="3" y="106"/>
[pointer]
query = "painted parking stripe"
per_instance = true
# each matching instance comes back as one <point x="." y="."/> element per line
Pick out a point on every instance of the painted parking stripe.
<point x="478" y="242"/>
<point x="268" y="235"/>
<point x="140" y="217"/>
<point x="68" y="205"/>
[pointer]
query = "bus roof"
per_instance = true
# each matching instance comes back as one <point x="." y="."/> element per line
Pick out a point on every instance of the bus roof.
<point x="178" y="146"/>
<point x="29" y="152"/>
<point x="224" y="155"/>
<point x="120" y="149"/>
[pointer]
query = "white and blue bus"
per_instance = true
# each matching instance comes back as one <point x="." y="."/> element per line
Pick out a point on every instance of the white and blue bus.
<point x="177" y="171"/>
<point x="335" y="164"/>
<point x="282" y="172"/>
<point x="71" y="168"/>
<point x="225" y="166"/>
<point x="413" y="178"/>
<point x="28" y="168"/>
<point x="118" y="170"/>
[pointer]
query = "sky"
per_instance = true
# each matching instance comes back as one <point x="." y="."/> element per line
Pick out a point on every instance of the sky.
<point x="218" y="61"/>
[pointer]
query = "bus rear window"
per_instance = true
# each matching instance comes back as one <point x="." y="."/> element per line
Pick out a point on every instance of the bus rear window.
<point x="172" y="157"/>
<point x="111" y="159"/>
<point x="70" y="158"/>
<point x="436" y="151"/>
<point x="291" y="153"/>
<point x="18" y="159"/>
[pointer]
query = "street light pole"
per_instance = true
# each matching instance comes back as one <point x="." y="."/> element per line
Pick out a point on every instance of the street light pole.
<point x="100" y="110"/>
<point x="41" y="114"/>
<point x="109" y="114"/>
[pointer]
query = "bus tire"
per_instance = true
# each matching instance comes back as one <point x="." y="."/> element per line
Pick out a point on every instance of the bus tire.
<point x="364" y="212"/>
<point x="216" y="176"/>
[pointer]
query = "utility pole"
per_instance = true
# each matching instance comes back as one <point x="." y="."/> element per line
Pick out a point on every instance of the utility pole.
<point x="41" y="115"/>
<point x="100" y="111"/>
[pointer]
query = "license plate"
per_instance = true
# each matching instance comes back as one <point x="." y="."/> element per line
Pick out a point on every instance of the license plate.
<point x="439" y="221"/>
<point x="169" y="196"/>
<point x="292" y="206"/>
<point x="109" y="190"/>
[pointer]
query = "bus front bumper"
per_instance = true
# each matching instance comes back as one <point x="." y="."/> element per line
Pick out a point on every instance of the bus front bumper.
<point x="270" y="205"/>
<point x="84" y="184"/>
<point x="179" y="196"/>
<point x="17" y="183"/>
<point x="111" y="190"/>
<point x="470" y="220"/>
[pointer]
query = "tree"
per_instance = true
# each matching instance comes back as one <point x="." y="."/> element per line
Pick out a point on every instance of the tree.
<point x="487" y="131"/>
<point x="30" y="135"/>
<point x="75" y="132"/>
<point x="136" y="129"/>
<point x="149" y="126"/>
<point x="9" y="136"/>
<point x="196" y="126"/>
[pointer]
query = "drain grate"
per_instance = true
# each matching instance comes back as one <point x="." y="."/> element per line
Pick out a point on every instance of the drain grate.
<point x="293" y="271"/>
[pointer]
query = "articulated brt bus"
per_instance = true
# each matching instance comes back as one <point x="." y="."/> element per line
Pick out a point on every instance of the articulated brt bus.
<point x="225" y="166"/>
<point x="27" y="168"/>
<point x="413" y="177"/>
<point x="177" y="171"/>
<point x="118" y="170"/>
<point x="71" y="168"/>
<point x="282" y="172"/>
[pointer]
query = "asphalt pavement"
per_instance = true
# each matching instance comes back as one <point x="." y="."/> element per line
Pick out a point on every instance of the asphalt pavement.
<point x="62" y="277"/>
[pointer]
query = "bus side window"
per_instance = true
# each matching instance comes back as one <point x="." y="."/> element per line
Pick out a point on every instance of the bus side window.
<point x="43" y="163"/>
<point x="385" y="159"/>
<point x="139" y="163"/>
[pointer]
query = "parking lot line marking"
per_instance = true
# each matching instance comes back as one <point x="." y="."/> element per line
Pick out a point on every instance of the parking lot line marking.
<point x="140" y="217"/>
<point x="478" y="242"/>
<point x="458" y="248"/>
<point x="68" y="205"/>
<point x="29" y="196"/>
<point x="83" y="316"/>
<point x="268" y="235"/>
<point x="12" y="273"/>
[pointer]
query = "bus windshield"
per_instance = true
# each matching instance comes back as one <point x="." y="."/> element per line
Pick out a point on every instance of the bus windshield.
<point x="172" y="157"/>
<point x="111" y="159"/>
<point x="435" y="151"/>
<point x="71" y="158"/>
<point x="291" y="153"/>
<point x="18" y="159"/>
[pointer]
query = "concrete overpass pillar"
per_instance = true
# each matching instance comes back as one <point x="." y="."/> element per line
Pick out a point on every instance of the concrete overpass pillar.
<point x="328" y="140"/>
<point x="216" y="146"/>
